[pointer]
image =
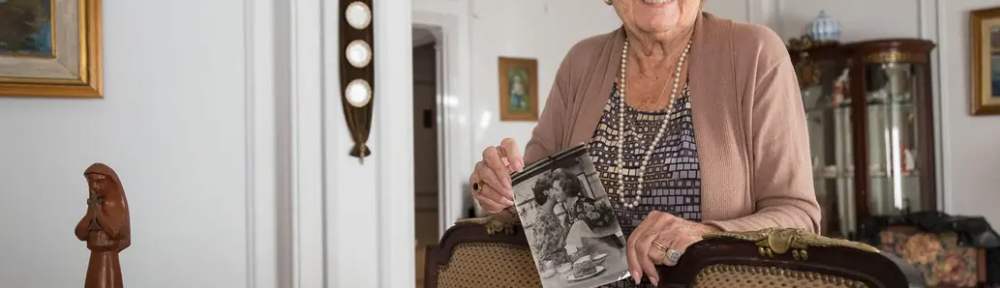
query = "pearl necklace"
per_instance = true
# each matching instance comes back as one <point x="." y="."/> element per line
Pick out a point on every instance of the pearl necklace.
<point x="659" y="134"/>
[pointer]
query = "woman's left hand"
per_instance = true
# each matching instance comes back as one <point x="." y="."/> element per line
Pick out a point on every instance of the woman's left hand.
<point x="658" y="236"/>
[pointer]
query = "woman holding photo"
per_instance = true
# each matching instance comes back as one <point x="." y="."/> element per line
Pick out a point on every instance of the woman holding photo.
<point x="695" y="118"/>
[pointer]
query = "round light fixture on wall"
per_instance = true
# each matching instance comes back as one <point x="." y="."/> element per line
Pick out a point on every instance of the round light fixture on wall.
<point x="358" y="53"/>
<point x="357" y="61"/>
<point x="358" y="15"/>
<point x="358" y="93"/>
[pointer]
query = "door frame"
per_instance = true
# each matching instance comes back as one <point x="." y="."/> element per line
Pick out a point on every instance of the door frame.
<point x="454" y="106"/>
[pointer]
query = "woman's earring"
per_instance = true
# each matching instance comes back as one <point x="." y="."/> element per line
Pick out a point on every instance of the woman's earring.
<point x="607" y="2"/>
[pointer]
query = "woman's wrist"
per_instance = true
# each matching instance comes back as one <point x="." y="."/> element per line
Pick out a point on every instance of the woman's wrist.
<point x="705" y="229"/>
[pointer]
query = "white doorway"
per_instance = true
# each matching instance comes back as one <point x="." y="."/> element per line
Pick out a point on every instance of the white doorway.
<point x="448" y="30"/>
<point x="428" y="146"/>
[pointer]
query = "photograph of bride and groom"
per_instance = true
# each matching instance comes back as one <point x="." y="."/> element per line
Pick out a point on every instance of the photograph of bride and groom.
<point x="570" y="225"/>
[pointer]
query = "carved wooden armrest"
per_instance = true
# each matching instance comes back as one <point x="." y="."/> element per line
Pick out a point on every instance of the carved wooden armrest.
<point x="500" y="222"/>
<point x="776" y="241"/>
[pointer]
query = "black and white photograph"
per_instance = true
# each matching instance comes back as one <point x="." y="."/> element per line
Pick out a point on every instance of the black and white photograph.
<point x="569" y="222"/>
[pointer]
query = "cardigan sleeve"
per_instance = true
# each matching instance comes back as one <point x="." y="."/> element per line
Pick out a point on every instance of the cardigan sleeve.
<point x="551" y="123"/>
<point x="782" y="181"/>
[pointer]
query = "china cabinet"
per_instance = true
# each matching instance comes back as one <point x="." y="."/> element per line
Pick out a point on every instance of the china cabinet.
<point x="870" y="116"/>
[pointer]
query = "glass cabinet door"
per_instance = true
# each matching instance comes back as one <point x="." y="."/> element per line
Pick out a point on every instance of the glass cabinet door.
<point x="828" y="116"/>
<point x="893" y="137"/>
<point x="869" y="113"/>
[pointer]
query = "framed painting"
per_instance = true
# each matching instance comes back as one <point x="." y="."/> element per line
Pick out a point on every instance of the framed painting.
<point x="50" y="48"/>
<point x="518" y="89"/>
<point x="984" y="37"/>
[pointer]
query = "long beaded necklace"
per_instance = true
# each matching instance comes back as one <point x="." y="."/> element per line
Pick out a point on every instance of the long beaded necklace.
<point x="659" y="134"/>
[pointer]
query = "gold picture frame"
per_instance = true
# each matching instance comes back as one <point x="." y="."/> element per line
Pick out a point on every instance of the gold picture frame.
<point x="72" y="64"/>
<point x="518" y="89"/>
<point x="984" y="57"/>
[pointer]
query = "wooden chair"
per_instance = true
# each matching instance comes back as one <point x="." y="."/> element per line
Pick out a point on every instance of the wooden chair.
<point x="786" y="258"/>
<point x="481" y="252"/>
<point x="487" y="252"/>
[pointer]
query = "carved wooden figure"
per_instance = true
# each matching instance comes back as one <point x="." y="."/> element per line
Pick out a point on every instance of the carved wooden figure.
<point x="105" y="227"/>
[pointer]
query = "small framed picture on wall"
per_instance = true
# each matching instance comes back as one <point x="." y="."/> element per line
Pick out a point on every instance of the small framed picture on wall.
<point x="51" y="48"/>
<point x="984" y="32"/>
<point x="518" y="89"/>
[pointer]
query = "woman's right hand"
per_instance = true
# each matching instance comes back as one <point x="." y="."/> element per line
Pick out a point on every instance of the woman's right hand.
<point x="492" y="176"/>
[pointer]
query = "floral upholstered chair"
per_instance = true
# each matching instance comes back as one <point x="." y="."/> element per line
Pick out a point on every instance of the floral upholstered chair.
<point x="948" y="250"/>
<point x="937" y="256"/>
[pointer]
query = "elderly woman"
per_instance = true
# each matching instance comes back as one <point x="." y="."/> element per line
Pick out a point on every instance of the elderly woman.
<point x="694" y="123"/>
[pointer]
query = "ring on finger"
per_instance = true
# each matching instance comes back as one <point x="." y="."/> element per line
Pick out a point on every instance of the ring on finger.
<point x="673" y="255"/>
<point x="660" y="247"/>
<point x="478" y="187"/>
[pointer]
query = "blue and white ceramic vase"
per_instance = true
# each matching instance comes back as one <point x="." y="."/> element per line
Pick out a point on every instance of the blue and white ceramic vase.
<point x="825" y="28"/>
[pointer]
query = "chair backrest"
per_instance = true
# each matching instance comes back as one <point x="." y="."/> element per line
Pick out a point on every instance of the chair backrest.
<point x="786" y="258"/>
<point x="481" y="252"/>
<point x="486" y="252"/>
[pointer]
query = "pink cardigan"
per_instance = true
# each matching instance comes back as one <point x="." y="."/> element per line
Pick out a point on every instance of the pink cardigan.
<point x="752" y="143"/>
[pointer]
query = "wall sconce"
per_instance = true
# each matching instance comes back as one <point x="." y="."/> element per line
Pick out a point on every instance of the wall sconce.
<point x="357" y="71"/>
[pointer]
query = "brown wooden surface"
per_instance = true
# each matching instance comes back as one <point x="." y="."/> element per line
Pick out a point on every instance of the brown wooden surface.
<point x="859" y="138"/>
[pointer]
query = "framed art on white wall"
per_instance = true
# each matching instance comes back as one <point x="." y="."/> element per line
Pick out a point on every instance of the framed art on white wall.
<point x="984" y="56"/>
<point x="50" y="48"/>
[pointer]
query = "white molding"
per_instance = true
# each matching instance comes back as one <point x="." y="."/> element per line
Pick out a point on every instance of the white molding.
<point x="455" y="106"/>
<point x="306" y="114"/>
<point x="394" y="86"/>
<point x="261" y="172"/>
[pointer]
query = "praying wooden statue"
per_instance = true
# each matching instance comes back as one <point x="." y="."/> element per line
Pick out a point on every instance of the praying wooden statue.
<point x="105" y="227"/>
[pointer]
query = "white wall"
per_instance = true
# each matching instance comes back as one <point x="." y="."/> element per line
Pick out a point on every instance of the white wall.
<point x="544" y="30"/>
<point x="172" y="124"/>
<point x="971" y="159"/>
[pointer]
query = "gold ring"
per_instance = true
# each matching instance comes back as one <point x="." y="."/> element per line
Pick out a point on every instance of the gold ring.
<point x="660" y="247"/>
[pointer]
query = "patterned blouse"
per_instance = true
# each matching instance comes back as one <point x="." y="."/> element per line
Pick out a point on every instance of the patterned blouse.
<point x="672" y="179"/>
<point x="549" y="248"/>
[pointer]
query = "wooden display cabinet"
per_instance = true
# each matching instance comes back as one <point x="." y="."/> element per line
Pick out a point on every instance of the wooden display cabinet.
<point x="868" y="105"/>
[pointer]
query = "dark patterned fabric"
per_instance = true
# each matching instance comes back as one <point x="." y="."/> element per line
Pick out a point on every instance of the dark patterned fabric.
<point x="549" y="248"/>
<point x="672" y="179"/>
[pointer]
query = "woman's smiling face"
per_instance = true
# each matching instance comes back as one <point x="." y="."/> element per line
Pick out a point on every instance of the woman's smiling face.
<point x="657" y="16"/>
<point x="557" y="191"/>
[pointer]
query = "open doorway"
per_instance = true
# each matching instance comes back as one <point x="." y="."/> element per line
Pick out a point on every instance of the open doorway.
<point x="427" y="144"/>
